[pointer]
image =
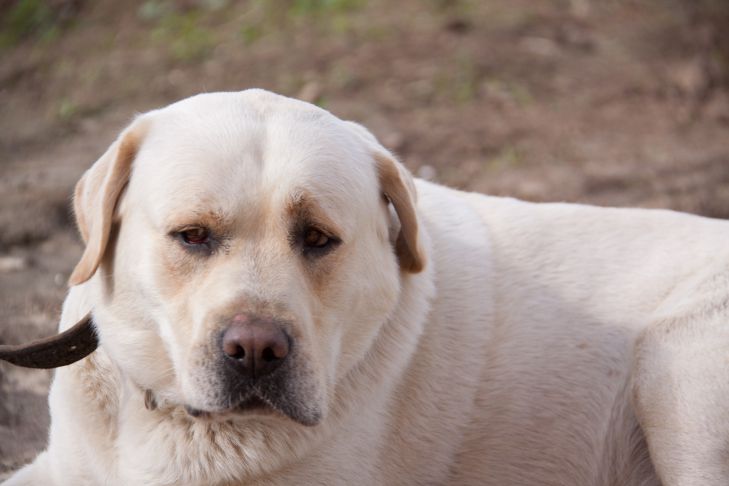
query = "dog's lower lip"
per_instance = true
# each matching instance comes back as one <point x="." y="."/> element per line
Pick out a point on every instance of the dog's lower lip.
<point x="195" y="412"/>
<point x="252" y="403"/>
<point x="248" y="405"/>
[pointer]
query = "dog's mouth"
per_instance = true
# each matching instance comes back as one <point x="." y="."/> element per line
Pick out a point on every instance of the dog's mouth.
<point x="280" y="396"/>
<point x="256" y="406"/>
<point x="252" y="405"/>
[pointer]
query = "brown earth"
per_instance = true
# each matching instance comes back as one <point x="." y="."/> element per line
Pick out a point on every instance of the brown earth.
<point x="620" y="103"/>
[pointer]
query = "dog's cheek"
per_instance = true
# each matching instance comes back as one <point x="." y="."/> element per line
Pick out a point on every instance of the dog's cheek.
<point x="178" y="270"/>
<point x="201" y="380"/>
<point x="358" y="300"/>
<point x="155" y="281"/>
<point x="181" y="281"/>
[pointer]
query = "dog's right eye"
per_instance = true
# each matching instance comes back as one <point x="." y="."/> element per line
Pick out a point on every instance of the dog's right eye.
<point x="313" y="238"/>
<point x="196" y="236"/>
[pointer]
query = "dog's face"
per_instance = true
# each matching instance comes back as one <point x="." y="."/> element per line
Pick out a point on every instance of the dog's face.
<point x="247" y="249"/>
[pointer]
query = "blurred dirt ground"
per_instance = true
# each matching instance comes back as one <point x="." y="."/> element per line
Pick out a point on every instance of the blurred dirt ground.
<point x="615" y="102"/>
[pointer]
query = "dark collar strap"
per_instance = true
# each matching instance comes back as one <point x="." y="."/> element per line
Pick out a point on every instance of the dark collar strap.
<point x="71" y="345"/>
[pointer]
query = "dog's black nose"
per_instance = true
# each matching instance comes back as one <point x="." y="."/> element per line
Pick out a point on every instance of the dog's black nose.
<point x="255" y="346"/>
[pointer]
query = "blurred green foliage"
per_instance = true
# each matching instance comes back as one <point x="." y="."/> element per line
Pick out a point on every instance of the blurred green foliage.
<point x="27" y="18"/>
<point x="318" y="7"/>
<point x="185" y="35"/>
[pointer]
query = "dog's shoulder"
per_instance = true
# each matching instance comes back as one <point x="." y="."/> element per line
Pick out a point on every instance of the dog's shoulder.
<point x="88" y="391"/>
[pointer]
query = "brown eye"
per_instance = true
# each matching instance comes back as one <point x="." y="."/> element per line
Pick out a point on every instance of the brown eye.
<point x="313" y="238"/>
<point x="313" y="243"/>
<point x="195" y="236"/>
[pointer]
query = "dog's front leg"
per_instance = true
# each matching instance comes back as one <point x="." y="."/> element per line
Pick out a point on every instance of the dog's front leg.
<point x="681" y="392"/>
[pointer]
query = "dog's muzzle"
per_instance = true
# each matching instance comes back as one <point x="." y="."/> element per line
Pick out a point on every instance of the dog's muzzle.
<point x="254" y="348"/>
<point x="258" y="368"/>
<point x="66" y="348"/>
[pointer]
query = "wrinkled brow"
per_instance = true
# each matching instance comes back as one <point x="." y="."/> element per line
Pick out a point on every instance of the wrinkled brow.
<point x="303" y="208"/>
<point x="213" y="219"/>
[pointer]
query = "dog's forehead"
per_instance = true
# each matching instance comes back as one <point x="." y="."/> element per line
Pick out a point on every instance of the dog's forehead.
<point x="234" y="150"/>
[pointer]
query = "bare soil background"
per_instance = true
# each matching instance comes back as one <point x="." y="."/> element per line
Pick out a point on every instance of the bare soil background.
<point x="621" y="103"/>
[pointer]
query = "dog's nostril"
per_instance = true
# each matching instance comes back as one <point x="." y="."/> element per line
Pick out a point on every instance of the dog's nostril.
<point x="268" y="355"/>
<point x="238" y="353"/>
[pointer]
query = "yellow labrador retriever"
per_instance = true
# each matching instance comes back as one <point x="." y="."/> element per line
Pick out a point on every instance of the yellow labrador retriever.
<point x="277" y="302"/>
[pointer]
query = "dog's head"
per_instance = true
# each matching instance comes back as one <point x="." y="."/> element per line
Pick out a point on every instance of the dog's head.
<point x="245" y="249"/>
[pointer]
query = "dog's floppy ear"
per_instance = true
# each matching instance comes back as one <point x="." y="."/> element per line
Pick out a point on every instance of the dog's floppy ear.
<point x="96" y="196"/>
<point x="397" y="186"/>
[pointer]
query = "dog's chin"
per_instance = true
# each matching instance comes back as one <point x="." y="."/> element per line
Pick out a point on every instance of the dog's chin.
<point x="256" y="407"/>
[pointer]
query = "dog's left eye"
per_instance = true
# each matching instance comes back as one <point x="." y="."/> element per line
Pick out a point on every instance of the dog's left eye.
<point x="315" y="242"/>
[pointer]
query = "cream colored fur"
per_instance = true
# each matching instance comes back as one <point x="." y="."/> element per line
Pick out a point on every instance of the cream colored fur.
<point x="548" y="344"/>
